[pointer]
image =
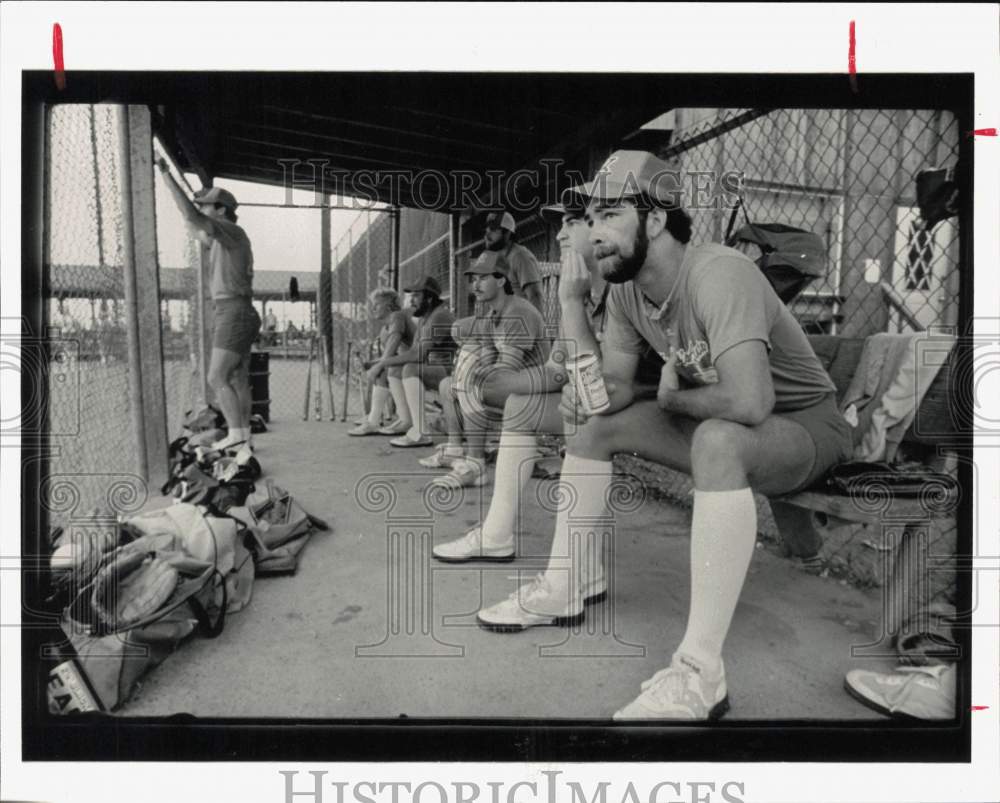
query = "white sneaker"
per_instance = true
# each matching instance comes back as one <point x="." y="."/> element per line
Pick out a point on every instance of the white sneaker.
<point x="233" y="440"/>
<point x="439" y="458"/>
<point x="465" y="473"/>
<point x="682" y="691"/>
<point x="470" y="547"/>
<point x="908" y="692"/>
<point x="534" y="604"/>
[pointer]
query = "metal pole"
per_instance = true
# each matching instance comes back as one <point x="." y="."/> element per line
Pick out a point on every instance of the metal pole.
<point x="453" y="226"/>
<point x="349" y="267"/>
<point x="131" y="296"/>
<point x="99" y="213"/>
<point x="325" y="306"/>
<point x="368" y="263"/>
<point x="395" y="248"/>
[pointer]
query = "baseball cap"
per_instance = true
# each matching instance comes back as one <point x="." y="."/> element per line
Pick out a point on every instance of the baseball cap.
<point x="570" y="201"/>
<point x="625" y="174"/>
<point x="426" y="285"/>
<point x="501" y="220"/>
<point x="487" y="263"/>
<point x="216" y="195"/>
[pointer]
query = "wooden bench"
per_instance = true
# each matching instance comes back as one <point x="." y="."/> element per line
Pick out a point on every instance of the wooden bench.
<point x="802" y="518"/>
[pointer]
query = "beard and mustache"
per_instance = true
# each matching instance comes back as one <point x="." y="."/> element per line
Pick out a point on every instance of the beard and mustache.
<point x="618" y="269"/>
<point x="426" y="302"/>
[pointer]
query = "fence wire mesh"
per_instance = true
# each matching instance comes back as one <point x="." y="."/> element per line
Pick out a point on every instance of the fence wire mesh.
<point x="849" y="176"/>
<point x="179" y="255"/>
<point x="89" y="422"/>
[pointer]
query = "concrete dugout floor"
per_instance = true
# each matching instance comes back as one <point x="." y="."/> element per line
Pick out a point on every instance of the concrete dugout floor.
<point x="318" y="643"/>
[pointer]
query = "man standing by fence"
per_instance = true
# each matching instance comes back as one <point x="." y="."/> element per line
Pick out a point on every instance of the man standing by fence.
<point x="212" y="218"/>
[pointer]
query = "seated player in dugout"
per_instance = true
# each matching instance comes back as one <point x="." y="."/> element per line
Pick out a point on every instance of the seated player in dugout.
<point x="212" y="218"/>
<point x="428" y="361"/>
<point x="523" y="274"/>
<point x="743" y="403"/>
<point x="398" y="330"/>
<point x="503" y="351"/>
<point x="583" y="301"/>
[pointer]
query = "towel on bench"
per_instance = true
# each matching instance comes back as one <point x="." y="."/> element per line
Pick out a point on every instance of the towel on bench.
<point x="887" y="388"/>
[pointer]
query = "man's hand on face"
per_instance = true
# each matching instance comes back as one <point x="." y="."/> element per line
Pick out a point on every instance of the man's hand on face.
<point x="574" y="278"/>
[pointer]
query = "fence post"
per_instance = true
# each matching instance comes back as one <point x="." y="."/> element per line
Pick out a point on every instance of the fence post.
<point x="453" y="227"/>
<point x="142" y="292"/>
<point x="325" y="322"/>
<point x="368" y="252"/>
<point x="395" y="247"/>
<point x="350" y="281"/>
<point x="205" y="320"/>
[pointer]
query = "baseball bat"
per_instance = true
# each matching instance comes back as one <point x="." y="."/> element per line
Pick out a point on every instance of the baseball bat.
<point x="328" y="370"/>
<point x="309" y="376"/>
<point x="347" y="383"/>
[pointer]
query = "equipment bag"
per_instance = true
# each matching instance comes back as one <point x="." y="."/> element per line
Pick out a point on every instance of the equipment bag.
<point x="790" y="259"/>
<point x="135" y="612"/>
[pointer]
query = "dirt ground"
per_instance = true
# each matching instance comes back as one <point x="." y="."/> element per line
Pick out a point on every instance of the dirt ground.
<point x="370" y="626"/>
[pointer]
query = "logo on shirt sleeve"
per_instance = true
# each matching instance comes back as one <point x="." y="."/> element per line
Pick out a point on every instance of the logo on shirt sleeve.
<point x="695" y="364"/>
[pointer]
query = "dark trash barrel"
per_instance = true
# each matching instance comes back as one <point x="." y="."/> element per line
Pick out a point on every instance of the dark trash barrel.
<point x="260" y="384"/>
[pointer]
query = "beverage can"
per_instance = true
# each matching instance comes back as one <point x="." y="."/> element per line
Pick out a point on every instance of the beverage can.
<point x="586" y="372"/>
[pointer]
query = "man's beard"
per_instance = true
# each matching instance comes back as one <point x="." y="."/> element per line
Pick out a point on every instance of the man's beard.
<point x="499" y="245"/>
<point x="423" y="308"/>
<point x="617" y="269"/>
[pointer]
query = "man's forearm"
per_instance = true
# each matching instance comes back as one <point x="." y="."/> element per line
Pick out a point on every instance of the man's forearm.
<point x="576" y="329"/>
<point x="414" y="354"/>
<point x="188" y="210"/>
<point x="712" y="401"/>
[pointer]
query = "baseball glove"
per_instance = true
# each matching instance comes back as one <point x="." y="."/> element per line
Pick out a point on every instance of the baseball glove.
<point x="131" y="587"/>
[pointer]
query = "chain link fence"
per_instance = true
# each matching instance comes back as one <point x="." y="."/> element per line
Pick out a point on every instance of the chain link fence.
<point x="88" y="405"/>
<point x="179" y="256"/>
<point x="850" y="177"/>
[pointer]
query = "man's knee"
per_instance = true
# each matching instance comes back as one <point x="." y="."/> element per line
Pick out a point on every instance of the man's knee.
<point x="219" y="376"/>
<point x="717" y="443"/>
<point x="410" y="369"/>
<point x="395" y="371"/>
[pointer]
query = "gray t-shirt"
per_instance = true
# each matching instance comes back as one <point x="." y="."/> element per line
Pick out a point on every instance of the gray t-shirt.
<point x="231" y="259"/>
<point x="519" y="328"/>
<point x="722" y="300"/>
<point x="523" y="268"/>
<point x="435" y="332"/>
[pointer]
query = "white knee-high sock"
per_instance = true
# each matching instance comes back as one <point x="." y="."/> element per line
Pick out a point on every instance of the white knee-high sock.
<point x="588" y="481"/>
<point x="380" y="395"/>
<point x="515" y="460"/>
<point x="399" y="397"/>
<point x="723" y="535"/>
<point x="413" y="390"/>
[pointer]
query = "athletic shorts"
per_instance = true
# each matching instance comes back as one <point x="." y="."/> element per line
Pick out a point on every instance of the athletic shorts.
<point x="433" y="374"/>
<point x="236" y="325"/>
<point x="830" y="432"/>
